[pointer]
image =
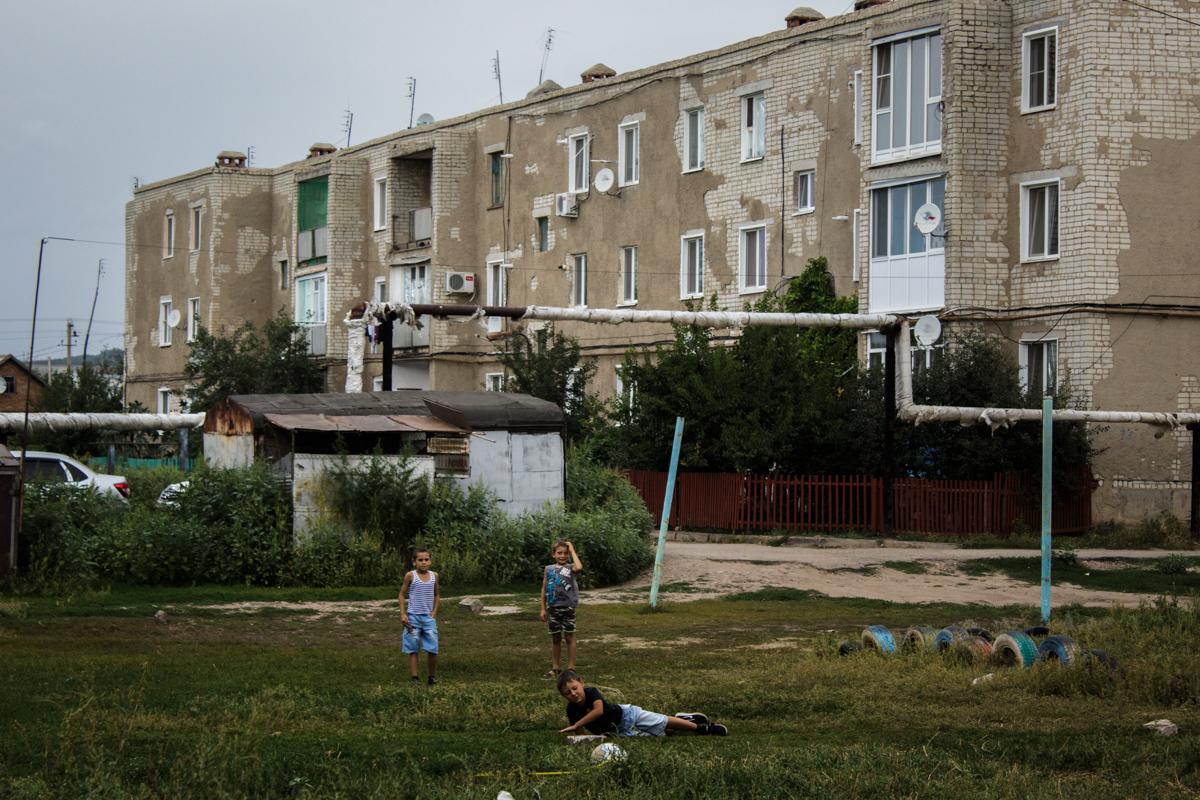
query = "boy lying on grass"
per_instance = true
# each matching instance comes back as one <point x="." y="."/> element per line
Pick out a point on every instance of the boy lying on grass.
<point x="587" y="708"/>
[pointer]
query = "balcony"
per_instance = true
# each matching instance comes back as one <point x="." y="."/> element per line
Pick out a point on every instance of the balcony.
<point x="421" y="224"/>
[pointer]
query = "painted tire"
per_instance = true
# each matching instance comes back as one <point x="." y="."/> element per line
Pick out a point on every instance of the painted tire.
<point x="949" y="636"/>
<point x="1062" y="649"/>
<point x="985" y="634"/>
<point x="980" y="648"/>
<point x="1015" y="649"/>
<point x="878" y="637"/>
<point x="921" y="639"/>
<point x="1037" y="630"/>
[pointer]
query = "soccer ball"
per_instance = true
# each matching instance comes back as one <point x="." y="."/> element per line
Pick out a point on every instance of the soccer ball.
<point x="606" y="752"/>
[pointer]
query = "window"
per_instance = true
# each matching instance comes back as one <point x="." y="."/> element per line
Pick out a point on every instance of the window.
<point x="164" y="323"/>
<point x="856" y="244"/>
<point x="627" y="154"/>
<point x="908" y="268"/>
<point x="381" y="290"/>
<point x="625" y="390"/>
<point x="283" y="274"/>
<point x="1039" y="366"/>
<point x="10" y="384"/>
<point x="169" y="244"/>
<point x="805" y="191"/>
<point x="381" y="204"/>
<point x="197" y="215"/>
<point x="312" y="243"/>
<point x="494" y="381"/>
<point x="1039" y="221"/>
<point x="754" y="126"/>
<point x="1040" y="73"/>
<point x="416" y="284"/>
<point x="543" y="234"/>
<point x="908" y="97"/>
<point x="858" y="107"/>
<point x="628" y="256"/>
<point x="693" y="140"/>
<point x="193" y="322"/>
<point x="691" y="265"/>
<point x="497" y="293"/>
<point x="923" y="356"/>
<point x="579" y="280"/>
<point x="164" y="400"/>
<point x="310" y="311"/>
<point x="497" y="160"/>
<point x="581" y="167"/>
<point x="753" y="259"/>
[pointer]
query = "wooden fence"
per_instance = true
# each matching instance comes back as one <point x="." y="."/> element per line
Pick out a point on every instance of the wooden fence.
<point x="844" y="502"/>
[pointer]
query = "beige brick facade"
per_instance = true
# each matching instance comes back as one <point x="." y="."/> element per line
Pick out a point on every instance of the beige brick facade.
<point x="1118" y="143"/>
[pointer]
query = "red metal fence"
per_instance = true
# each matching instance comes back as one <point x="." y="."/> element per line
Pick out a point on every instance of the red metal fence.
<point x="843" y="502"/>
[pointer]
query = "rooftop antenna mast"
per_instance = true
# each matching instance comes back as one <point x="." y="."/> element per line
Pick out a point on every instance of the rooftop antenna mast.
<point x="412" y="95"/>
<point x="249" y="155"/>
<point x="88" y="335"/>
<point x="348" y="125"/>
<point x="545" y="55"/>
<point x="496" y="70"/>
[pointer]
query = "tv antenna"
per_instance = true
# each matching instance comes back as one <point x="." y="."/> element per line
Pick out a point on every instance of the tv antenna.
<point x="88" y="335"/>
<point x="249" y="154"/>
<point x="412" y="96"/>
<point x="137" y="182"/>
<point x="545" y="54"/>
<point x="348" y="124"/>
<point x="496" y="71"/>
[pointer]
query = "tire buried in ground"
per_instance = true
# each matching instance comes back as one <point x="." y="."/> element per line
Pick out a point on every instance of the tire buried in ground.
<point x="846" y="648"/>
<point x="1062" y="649"/>
<point x="950" y="636"/>
<point x="878" y="637"/>
<point x="921" y="639"/>
<point x="1014" y="649"/>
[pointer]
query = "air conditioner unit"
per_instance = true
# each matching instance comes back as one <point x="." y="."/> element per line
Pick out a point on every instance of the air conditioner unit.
<point x="566" y="204"/>
<point x="460" y="283"/>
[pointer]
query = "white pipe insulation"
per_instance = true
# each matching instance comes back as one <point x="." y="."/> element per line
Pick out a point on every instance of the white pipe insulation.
<point x="64" y="423"/>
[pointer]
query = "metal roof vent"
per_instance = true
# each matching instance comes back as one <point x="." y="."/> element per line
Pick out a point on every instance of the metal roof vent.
<point x="545" y="87"/>
<point x="802" y="15"/>
<point x="231" y="158"/>
<point x="321" y="149"/>
<point x="596" y="72"/>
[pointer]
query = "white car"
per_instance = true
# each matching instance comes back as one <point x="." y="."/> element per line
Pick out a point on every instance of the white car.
<point x="170" y="495"/>
<point x="57" y="468"/>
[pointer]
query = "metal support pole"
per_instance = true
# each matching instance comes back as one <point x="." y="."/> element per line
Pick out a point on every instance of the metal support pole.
<point x="889" y="433"/>
<point x="666" y="513"/>
<point x="385" y="333"/>
<point x="112" y="459"/>
<point x="1047" y="493"/>
<point x="183" y="459"/>
<point x="1195" y="521"/>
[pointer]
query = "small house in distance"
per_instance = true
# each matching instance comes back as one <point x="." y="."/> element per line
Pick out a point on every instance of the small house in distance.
<point x="15" y="380"/>
<point x="513" y="443"/>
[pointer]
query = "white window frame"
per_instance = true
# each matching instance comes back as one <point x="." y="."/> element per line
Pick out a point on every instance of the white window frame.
<point x="886" y="89"/>
<point x="169" y="233"/>
<point x="578" y="280"/>
<point x="496" y="287"/>
<point x="164" y="400"/>
<point x="1027" y="190"/>
<point x="539" y="222"/>
<point x="579" y="165"/>
<point x="805" y="195"/>
<point x="625" y="390"/>
<point x="417" y="286"/>
<point x="319" y="288"/>
<point x="197" y="218"/>
<point x="165" y="308"/>
<point x="627" y="265"/>
<point x="759" y="231"/>
<point x="381" y="203"/>
<point x="692" y="241"/>
<point x="922" y="356"/>
<point x="493" y="382"/>
<point x="907" y="268"/>
<point x="754" y="126"/>
<point x="193" y="307"/>
<point x="858" y="106"/>
<point x="1050" y="369"/>
<point x="856" y="245"/>
<point x="629" y="148"/>
<point x="1049" y="80"/>
<point x="693" y="142"/>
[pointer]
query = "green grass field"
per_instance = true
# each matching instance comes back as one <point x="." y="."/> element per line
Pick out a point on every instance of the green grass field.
<point x="100" y="700"/>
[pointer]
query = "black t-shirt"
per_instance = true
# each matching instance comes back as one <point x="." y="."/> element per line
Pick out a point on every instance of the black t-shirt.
<point x="607" y="722"/>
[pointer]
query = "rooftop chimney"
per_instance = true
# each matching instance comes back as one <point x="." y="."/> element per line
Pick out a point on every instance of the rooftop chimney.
<point x="802" y="15"/>
<point x="321" y="149"/>
<point x="545" y="87"/>
<point x="859" y="5"/>
<point x="231" y="158"/>
<point x="596" y="72"/>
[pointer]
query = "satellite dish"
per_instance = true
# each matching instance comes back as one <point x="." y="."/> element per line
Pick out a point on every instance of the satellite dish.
<point x="928" y="218"/>
<point x="425" y="119"/>
<point x="3" y="387"/>
<point x="928" y="330"/>
<point x="604" y="180"/>
<point x="173" y="318"/>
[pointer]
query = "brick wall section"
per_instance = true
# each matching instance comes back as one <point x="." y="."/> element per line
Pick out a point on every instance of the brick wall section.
<point x="14" y="401"/>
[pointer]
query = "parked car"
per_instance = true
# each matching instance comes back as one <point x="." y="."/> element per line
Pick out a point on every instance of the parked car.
<point x="57" y="468"/>
<point x="170" y="495"/>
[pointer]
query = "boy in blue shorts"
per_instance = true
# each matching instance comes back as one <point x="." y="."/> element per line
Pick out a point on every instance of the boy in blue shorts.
<point x="560" y="592"/>
<point x="587" y="708"/>
<point x="420" y="619"/>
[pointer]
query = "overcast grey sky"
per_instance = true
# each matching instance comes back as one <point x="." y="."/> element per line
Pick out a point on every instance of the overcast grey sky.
<point x="93" y="94"/>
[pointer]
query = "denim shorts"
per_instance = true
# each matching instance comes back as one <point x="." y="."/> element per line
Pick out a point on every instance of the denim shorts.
<point x="421" y="634"/>
<point x="638" y="722"/>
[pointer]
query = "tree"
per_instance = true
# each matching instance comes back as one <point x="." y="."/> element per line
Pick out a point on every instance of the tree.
<point x="548" y="364"/>
<point x="273" y="360"/>
<point x="94" y="388"/>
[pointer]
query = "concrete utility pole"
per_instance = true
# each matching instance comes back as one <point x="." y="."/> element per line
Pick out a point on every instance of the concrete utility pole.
<point x="70" y="332"/>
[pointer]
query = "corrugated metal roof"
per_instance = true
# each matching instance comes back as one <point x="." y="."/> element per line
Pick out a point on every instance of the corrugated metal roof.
<point x="369" y="423"/>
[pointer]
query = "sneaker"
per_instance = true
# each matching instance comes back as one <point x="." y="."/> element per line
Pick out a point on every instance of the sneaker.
<point x="432" y="681"/>
<point x="415" y="681"/>
<point x="692" y="716"/>
<point x="716" y="730"/>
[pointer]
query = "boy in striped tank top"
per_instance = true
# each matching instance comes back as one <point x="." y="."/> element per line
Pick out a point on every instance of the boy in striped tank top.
<point x="420" y="619"/>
